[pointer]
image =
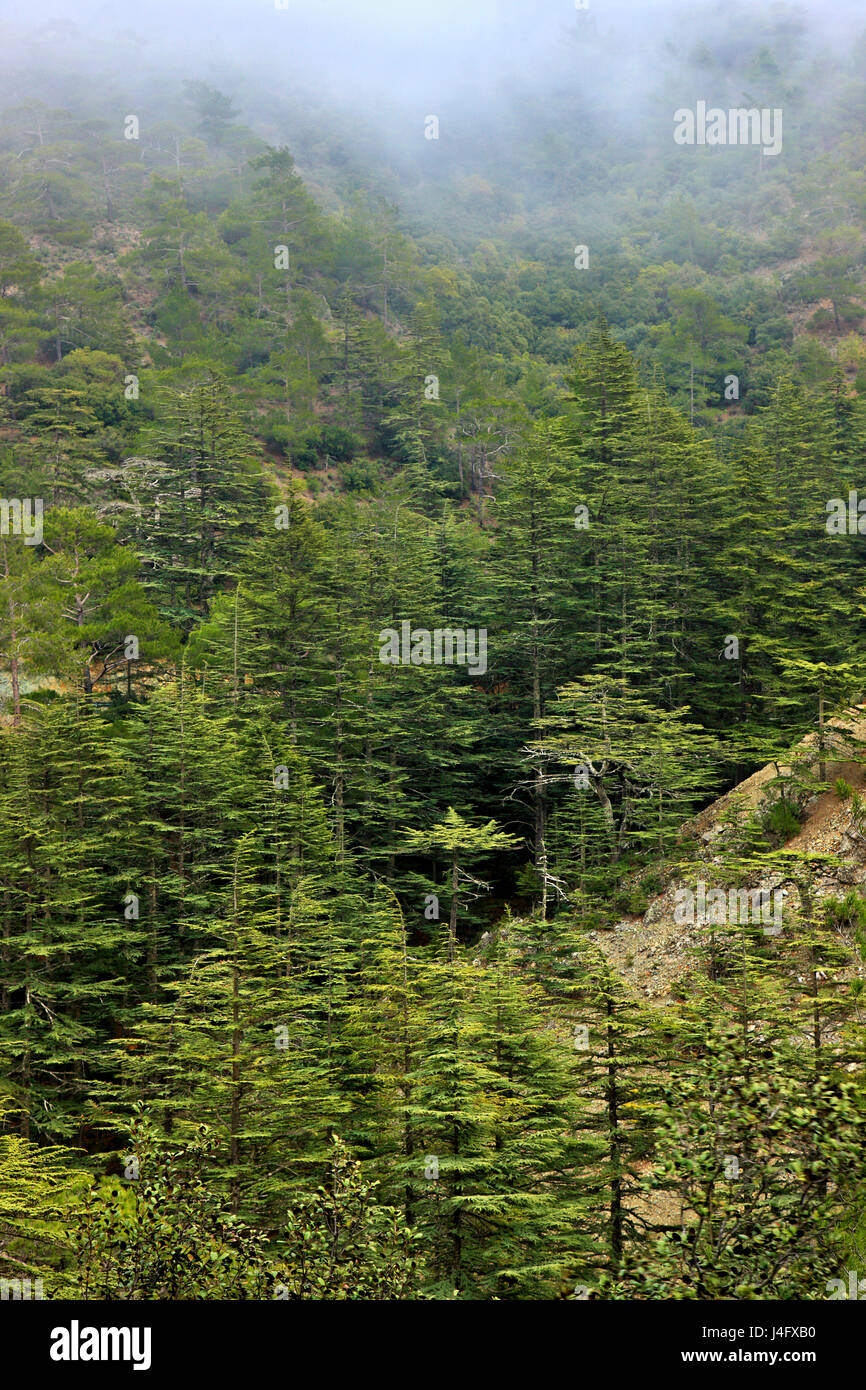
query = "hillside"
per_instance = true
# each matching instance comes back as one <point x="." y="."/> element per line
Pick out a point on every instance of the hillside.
<point x="656" y="954"/>
<point x="432" y="564"/>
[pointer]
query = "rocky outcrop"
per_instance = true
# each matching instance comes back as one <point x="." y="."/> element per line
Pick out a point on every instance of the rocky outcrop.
<point x="655" y="952"/>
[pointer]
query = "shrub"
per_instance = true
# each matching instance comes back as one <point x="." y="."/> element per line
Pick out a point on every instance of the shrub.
<point x="168" y="1235"/>
<point x="633" y="900"/>
<point x="305" y="453"/>
<point x="276" y="433"/>
<point x="848" y="913"/>
<point x="340" y="1243"/>
<point x="780" y="821"/>
<point x="362" y="476"/>
<point x="339" y="444"/>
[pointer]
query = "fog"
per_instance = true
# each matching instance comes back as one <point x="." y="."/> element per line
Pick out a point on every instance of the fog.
<point x="497" y="73"/>
<point x="399" y="51"/>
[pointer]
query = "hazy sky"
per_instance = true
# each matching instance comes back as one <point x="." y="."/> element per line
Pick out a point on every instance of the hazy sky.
<point x="422" y="29"/>
<point x="393" y="51"/>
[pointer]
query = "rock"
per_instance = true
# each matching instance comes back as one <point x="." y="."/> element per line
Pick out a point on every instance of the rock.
<point x="654" y="913"/>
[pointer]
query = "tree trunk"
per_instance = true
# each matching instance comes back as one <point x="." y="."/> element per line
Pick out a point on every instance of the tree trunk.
<point x="452" y="925"/>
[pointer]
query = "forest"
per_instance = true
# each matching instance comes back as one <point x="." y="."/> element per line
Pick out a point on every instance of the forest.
<point x="432" y="673"/>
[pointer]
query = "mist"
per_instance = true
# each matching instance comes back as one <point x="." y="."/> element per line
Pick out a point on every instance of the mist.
<point x="349" y="85"/>
<point x="387" y="56"/>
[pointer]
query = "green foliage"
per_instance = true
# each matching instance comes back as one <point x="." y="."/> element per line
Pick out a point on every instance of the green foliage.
<point x="165" y="1234"/>
<point x="339" y="1244"/>
<point x="37" y="1195"/>
<point x="847" y="913"/>
<point x="766" y="1161"/>
<point x="264" y="882"/>
<point x="780" y="821"/>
